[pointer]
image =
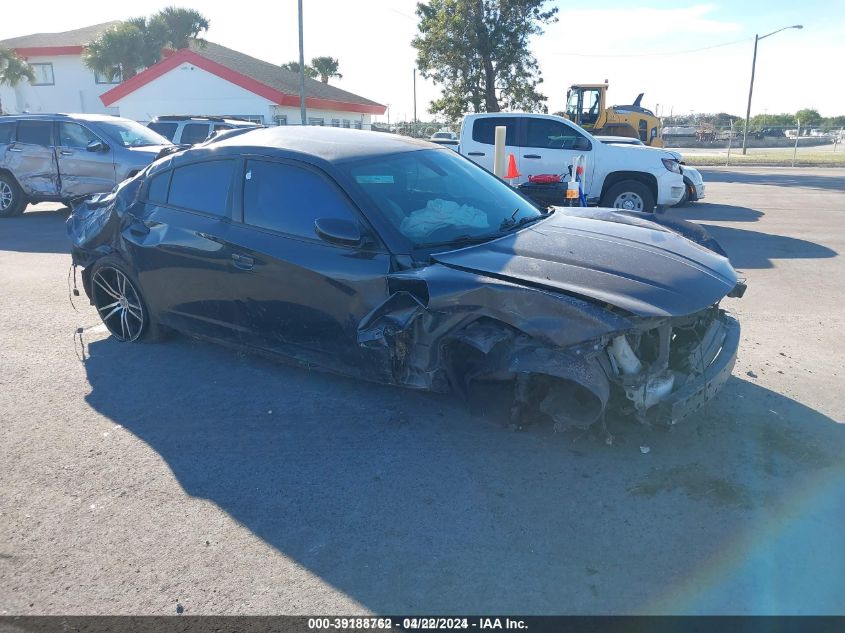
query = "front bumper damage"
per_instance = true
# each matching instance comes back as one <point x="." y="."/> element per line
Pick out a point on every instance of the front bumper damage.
<point x="669" y="368"/>
<point x="679" y="382"/>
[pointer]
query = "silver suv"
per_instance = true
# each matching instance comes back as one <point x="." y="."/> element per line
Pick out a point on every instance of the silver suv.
<point x="193" y="129"/>
<point x="59" y="157"/>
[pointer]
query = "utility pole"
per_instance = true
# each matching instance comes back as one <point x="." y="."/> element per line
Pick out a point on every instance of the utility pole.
<point x="301" y="71"/>
<point x="757" y="38"/>
<point x="415" y="103"/>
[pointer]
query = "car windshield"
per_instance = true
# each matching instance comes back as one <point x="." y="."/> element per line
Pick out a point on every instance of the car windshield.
<point x="436" y="198"/>
<point x="132" y="134"/>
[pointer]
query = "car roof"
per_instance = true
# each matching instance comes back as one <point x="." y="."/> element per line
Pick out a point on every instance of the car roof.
<point x="64" y="115"/>
<point x="327" y="143"/>
<point x="203" y="118"/>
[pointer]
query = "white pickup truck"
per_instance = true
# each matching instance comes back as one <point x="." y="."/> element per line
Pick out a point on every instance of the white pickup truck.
<point x="615" y="175"/>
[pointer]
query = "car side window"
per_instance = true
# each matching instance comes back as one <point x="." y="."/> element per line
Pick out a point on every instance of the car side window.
<point x="194" y="133"/>
<point x="202" y="187"/>
<point x="35" y="133"/>
<point x="74" y="135"/>
<point x="167" y="130"/>
<point x="289" y="199"/>
<point x="157" y="188"/>
<point x="7" y="132"/>
<point x="484" y="129"/>
<point x="549" y="134"/>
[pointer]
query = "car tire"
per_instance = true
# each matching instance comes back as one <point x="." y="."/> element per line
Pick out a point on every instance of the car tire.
<point x="12" y="200"/>
<point x="120" y="304"/>
<point x="630" y="195"/>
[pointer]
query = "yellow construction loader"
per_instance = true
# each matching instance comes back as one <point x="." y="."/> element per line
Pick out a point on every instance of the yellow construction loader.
<point x="586" y="105"/>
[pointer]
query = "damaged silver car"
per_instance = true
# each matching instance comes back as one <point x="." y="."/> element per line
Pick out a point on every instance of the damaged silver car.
<point x="398" y="261"/>
<point x="61" y="157"/>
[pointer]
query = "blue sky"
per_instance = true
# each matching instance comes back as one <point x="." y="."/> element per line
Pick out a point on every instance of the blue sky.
<point x="636" y="46"/>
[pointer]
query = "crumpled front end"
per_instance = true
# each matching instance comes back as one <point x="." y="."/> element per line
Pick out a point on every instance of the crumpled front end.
<point x="563" y="358"/>
<point x="668" y="369"/>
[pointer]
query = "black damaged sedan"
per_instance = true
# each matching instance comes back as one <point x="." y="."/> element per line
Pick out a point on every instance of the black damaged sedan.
<point x="401" y="262"/>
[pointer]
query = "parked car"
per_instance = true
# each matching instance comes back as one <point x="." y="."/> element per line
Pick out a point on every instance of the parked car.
<point x="193" y="129"/>
<point x="449" y="136"/>
<point x="693" y="180"/>
<point x="622" y="177"/>
<point x="59" y="157"/>
<point x="400" y="261"/>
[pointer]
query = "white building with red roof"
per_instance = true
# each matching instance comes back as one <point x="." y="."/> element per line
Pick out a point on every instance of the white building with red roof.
<point x="200" y="80"/>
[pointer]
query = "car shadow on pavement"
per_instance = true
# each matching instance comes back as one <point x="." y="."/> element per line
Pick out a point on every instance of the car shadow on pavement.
<point x="36" y="231"/>
<point x="779" y="177"/>
<point x="716" y="212"/>
<point x="755" y="249"/>
<point x="405" y="502"/>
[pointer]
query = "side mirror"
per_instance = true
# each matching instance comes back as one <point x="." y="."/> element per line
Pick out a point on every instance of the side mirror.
<point x="338" y="231"/>
<point x="97" y="146"/>
<point x="582" y="144"/>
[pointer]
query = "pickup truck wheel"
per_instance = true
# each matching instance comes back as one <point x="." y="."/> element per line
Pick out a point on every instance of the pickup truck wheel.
<point x="630" y="195"/>
<point x="12" y="200"/>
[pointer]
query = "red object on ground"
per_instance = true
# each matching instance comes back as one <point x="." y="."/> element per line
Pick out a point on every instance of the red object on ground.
<point x="512" y="172"/>
<point x="544" y="179"/>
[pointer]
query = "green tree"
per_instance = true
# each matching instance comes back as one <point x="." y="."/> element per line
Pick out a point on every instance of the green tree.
<point x="178" y="27"/>
<point x="326" y="68"/>
<point x="13" y="70"/>
<point x="477" y="50"/>
<point x="121" y="51"/>
<point x="808" y="117"/>
<point x="137" y="43"/>
<point x="294" y="68"/>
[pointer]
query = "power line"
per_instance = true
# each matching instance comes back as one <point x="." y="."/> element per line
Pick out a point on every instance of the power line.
<point x="656" y="54"/>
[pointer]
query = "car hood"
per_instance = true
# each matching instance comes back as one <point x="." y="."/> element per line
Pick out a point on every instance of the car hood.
<point x="635" y="152"/>
<point x="148" y="150"/>
<point x="641" y="267"/>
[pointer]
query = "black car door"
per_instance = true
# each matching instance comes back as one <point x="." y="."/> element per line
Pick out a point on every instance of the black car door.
<point x="297" y="293"/>
<point x="179" y="247"/>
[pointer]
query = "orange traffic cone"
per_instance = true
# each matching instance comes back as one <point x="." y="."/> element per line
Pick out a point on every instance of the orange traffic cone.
<point x="512" y="172"/>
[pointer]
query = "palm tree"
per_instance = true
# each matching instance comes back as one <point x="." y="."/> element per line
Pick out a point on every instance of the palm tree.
<point x="137" y="43"/>
<point x="181" y="26"/>
<point x="294" y="68"/>
<point x="326" y="67"/>
<point x="13" y="70"/>
<point x="121" y="51"/>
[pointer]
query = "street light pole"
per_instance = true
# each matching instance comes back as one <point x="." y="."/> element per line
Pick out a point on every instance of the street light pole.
<point x="301" y="70"/>
<point x="757" y="38"/>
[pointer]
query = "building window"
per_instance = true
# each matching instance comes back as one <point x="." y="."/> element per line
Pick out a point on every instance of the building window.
<point x="101" y="78"/>
<point x="357" y="125"/>
<point x="316" y="121"/>
<point x="280" y="119"/>
<point x="43" y="74"/>
<point x="335" y="122"/>
<point x="346" y="122"/>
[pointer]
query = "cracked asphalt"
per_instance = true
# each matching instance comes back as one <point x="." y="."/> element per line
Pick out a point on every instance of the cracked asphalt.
<point x="185" y="476"/>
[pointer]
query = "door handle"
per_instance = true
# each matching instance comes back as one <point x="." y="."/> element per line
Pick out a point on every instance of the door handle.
<point x="475" y="153"/>
<point x="65" y="152"/>
<point x="15" y="149"/>
<point x="531" y="156"/>
<point x="243" y="262"/>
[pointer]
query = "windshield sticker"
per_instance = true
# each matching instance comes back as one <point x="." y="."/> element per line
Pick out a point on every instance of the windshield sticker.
<point x="374" y="180"/>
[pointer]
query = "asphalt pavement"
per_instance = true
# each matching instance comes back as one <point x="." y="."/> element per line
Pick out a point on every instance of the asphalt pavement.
<point x="185" y="476"/>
